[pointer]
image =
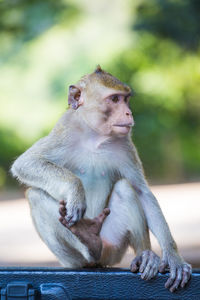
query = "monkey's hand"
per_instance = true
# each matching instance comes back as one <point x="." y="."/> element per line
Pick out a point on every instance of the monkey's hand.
<point x="73" y="203"/>
<point x="180" y="271"/>
<point x="147" y="263"/>
<point x="73" y="212"/>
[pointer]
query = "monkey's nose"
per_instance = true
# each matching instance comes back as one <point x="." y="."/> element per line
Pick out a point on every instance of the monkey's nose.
<point x="128" y="113"/>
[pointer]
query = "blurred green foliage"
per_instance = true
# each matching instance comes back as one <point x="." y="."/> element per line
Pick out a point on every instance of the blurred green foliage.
<point x="176" y="20"/>
<point x="152" y="45"/>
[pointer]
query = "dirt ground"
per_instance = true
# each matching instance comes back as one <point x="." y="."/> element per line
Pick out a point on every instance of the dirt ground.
<point x="21" y="246"/>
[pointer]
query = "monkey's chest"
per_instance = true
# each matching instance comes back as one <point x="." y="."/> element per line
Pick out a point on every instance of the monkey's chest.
<point x="97" y="184"/>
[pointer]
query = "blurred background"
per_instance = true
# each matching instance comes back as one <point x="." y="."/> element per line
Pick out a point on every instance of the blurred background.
<point x="154" y="46"/>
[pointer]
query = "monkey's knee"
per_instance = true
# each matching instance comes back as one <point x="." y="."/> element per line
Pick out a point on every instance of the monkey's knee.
<point x="32" y="193"/>
<point x="122" y="184"/>
<point x="124" y="189"/>
<point x="70" y="251"/>
<point x="125" y="205"/>
<point x="123" y="194"/>
<point x="37" y="197"/>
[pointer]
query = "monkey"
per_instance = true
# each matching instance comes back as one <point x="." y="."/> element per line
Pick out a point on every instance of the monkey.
<point x="88" y="195"/>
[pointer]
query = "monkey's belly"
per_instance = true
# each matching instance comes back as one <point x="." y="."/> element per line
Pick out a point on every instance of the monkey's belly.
<point x="97" y="190"/>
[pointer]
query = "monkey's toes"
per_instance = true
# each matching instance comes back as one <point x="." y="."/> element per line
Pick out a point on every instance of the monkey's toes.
<point x="103" y="215"/>
<point x="98" y="221"/>
<point x="106" y="211"/>
<point x="63" y="222"/>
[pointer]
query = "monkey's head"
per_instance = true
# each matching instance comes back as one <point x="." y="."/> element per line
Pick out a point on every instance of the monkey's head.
<point x="103" y="102"/>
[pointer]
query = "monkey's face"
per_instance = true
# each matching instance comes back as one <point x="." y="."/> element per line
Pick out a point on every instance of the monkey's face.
<point x="103" y="102"/>
<point x="116" y="115"/>
<point x="108" y="112"/>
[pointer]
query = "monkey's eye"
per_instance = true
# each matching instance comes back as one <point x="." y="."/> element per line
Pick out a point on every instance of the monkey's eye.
<point x="114" y="98"/>
<point x="126" y="99"/>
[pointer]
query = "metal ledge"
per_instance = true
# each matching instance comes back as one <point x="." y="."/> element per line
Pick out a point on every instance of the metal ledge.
<point x="114" y="283"/>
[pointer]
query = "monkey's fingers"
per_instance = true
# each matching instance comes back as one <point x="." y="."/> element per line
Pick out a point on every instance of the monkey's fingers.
<point x="177" y="280"/>
<point x="148" y="272"/>
<point x="62" y="211"/>
<point x="172" y="277"/>
<point x="136" y="263"/>
<point x="62" y="208"/>
<point x="152" y="272"/>
<point x="74" y="215"/>
<point x="62" y="202"/>
<point x="143" y="265"/>
<point x="163" y="266"/>
<point x="65" y="219"/>
<point x="152" y="266"/>
<point x="187" y="271"/>
<point x="179" y="276"/>
<point x="73" y="219"/>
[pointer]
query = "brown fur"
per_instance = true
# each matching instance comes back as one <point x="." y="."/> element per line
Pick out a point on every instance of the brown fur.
<point x="104" y="78"/>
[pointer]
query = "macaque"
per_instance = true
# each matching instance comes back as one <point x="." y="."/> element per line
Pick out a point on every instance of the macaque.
<point x="88" y="195"/>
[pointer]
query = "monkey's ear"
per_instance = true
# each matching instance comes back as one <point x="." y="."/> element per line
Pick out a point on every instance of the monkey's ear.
<point x="74" y="97"/>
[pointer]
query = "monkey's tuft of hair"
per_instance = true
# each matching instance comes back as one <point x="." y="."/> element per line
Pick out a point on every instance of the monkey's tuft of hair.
<point x="98" y="69"/>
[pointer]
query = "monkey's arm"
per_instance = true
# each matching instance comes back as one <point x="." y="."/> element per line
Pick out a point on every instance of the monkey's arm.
<point x="180" y="271"/>
<point x="37" y="168"/>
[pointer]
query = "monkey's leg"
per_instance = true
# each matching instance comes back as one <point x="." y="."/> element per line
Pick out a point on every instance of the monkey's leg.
<point x="70" y="251"/>
<point x="126" y="225"/>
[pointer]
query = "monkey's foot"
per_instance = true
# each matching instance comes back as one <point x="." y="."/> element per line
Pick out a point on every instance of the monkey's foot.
<point x="87" y="230"/>
<point x="147" y="263"/>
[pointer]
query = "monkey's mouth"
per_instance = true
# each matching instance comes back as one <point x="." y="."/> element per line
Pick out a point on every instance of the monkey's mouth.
<point x="124" y="125"/>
